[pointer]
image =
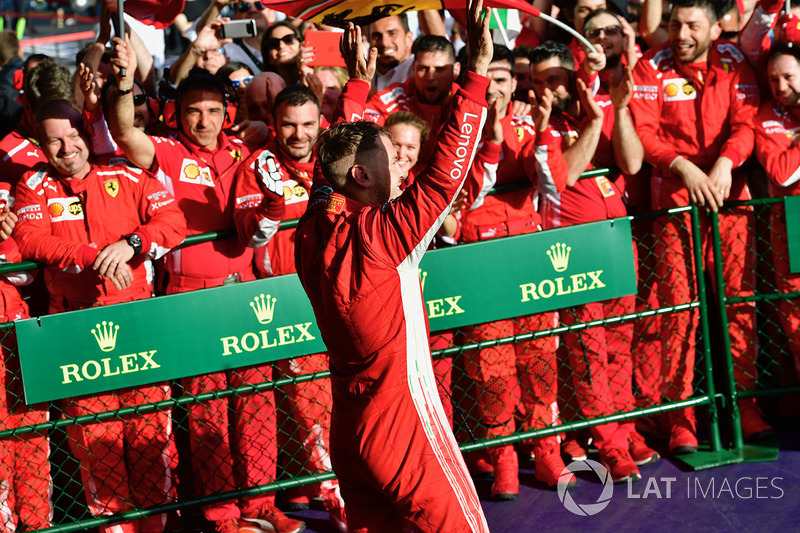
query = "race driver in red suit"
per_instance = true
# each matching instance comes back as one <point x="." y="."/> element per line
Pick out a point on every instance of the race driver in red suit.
<point x="777" y="128"/>
<point x="198" y="168"/>
<point x="511" y="151"/>
<point x="98" y="227"/>
<point x="694" y="103"/>
<point x="358" y="250"/>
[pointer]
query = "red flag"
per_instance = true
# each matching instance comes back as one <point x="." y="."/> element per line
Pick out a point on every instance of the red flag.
<point x="360" y="12"/>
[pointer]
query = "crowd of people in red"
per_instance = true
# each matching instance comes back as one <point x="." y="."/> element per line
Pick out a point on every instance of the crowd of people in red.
<point x="109" y="168"/>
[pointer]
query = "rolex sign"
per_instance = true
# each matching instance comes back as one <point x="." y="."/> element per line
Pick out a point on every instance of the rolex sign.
<point x="170" y="337"/>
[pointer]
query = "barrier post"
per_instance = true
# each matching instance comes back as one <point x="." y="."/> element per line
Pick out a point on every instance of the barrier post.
<point x="716" y="456"/>
<point x="748" y="453"/>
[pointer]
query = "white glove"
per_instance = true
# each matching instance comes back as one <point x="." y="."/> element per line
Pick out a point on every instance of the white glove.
<point x="268" y="173"/>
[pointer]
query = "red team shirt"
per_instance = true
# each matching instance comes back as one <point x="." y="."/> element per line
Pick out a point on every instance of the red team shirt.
<point x="66" y="222"/>
<point x="775" y="130"/>
<point x="590" y="199"/>
<point x="523" y="157"/>
<point x="202" y="182"/>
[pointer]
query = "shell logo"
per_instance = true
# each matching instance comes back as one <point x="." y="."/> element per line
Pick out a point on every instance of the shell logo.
<point x="56" y="209"/>
<point x="191" y="171"/>
<point x="671" y="89"/>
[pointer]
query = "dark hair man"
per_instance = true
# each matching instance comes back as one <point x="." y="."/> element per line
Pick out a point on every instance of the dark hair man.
<point x="426" y="93"/>
<point x="595" y="132"/>
<point x="199" y="168"/>
<point x="694" y="104"/>
<point x="290" y="158"/>
<point x="358" y="249"/>
<point x="777" y="149"/>
<point x="512" y="149"/>
<point x="391" y="36"/>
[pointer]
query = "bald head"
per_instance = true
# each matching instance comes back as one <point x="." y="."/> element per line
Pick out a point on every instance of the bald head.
<point x="260" y="93"/>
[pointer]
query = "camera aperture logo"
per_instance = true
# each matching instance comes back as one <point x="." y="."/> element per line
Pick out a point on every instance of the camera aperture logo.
<point x="585" y="509"/>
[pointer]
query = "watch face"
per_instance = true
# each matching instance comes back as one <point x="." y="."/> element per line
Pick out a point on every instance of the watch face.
<point x="135" y="242"/>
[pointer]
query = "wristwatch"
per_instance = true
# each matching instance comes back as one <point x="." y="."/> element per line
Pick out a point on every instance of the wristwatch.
<point x="135" y="242"/>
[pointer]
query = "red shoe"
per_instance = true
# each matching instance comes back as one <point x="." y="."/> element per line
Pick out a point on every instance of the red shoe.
<point x="506" y="474"/>
<point x="297" y="499"/>
<point x="270" y="518"/>
<point x="548" y="463"/>
<point x="620" y="465"/>
<point x="641" y="453"/>
<point x="683" y="431"/>
<point x="230" y="525"/>
<point x="753" y="426"/>
<point x="334" y="504"/>
<point x="573" y="450"/>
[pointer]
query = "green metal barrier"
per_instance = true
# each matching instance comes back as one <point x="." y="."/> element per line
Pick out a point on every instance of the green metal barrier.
<point x="73" y="515"/>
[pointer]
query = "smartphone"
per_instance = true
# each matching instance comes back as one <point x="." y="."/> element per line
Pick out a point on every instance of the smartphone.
<point x="326" y="45"/>
<point x="238" y="29"/>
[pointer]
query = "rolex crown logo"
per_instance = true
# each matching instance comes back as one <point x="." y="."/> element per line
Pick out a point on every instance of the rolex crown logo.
<point x="106" y="335"/>
<point x="559" y="256"/>
<point x="264" y="308"/>
<point x="422" y="276"/>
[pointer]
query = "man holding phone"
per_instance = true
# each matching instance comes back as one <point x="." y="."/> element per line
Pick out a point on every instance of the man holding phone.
<point x="245" y="48"/>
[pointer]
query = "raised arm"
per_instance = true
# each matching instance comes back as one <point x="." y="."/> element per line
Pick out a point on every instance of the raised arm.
<point x="580" y="154"/>
<point x="628" y="151"/>
<point x="361" y="63"/>
<point x="402" y="229"/>
<point x="138" y="147"/>
<point x="144" y="62"/>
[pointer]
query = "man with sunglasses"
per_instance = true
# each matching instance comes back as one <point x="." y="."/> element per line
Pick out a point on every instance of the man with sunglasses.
<point x="233" y="441"/>
<point x="694" y="104"/>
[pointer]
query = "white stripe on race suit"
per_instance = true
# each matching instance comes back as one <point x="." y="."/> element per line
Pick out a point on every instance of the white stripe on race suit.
<point x="422" y="388"/>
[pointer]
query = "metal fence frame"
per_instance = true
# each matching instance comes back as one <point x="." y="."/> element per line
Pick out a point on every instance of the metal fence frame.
<point x="716" y="401"/>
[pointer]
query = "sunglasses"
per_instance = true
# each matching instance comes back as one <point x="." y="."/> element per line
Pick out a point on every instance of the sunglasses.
<point x="241" y="83"/>
<point x="610" y="31"/>
<point x="139" y="99"/>
<point x="273" y="43"/>
<point x="245" y="6"/>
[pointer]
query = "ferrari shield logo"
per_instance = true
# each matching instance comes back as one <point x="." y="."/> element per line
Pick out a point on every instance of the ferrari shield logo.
<point x="112" y="187"/>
